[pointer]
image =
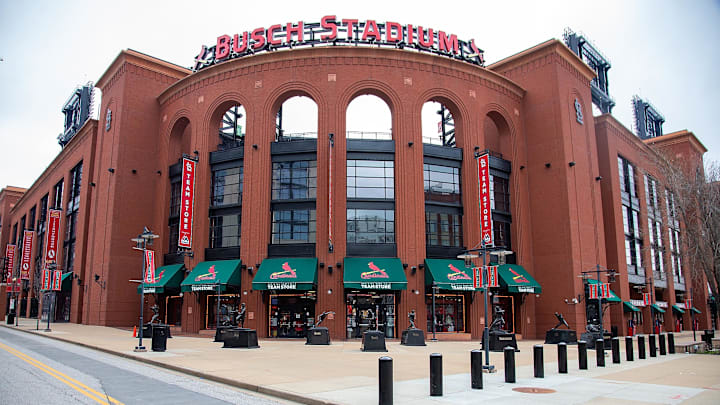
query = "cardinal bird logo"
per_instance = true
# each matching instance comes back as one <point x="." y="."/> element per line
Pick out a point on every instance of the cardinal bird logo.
<point x="375" y="273"/>
<point x="288" y="272"/>
<point x="210" y="275"/>
<point x="519" y="278"/>
<point x="457" y="274"/>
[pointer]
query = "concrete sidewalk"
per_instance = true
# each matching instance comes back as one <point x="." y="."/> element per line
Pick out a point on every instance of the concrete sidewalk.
<point x="342" y="374"/>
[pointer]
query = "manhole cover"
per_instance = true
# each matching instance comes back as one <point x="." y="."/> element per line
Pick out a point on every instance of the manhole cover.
<point x="534" y="390"/>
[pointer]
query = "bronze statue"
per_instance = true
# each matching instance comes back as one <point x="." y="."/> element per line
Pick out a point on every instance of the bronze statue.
<point x="411" y="318"/>
<point x="498" y="322"/>
<point x="561" y="320"/>
<point x="322" y="317"/>
<point x="240" y="319"/>
<point x="156" y="313"/>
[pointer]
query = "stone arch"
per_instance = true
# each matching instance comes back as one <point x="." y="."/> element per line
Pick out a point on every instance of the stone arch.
<point x="214" y="116"/>
<point x="454" y="104"/>
<point x="498" y="131"/>
<point x="180" y="135"/>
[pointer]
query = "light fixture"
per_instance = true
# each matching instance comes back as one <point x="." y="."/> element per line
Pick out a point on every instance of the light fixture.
<point x="421" y="266"/>
<point x="111" y="170"/>
<point x="159" y="173"/>
<point x="92" y="184"/>
<point x="405" y="265"/>
<point x="547" y="165"/>
<point x="257" y="266"/>
<point x="522" y="167"/>
<point x="329" y="269"/>
<point x="413" y="269"/>
<point x="571" y="164"/>
<point x="196" y="152"/>
<point x="254" y="146"/>
<point x="598" y="178"/>
<point x="321" y="264"/>
<point x="134" y="171"/>
<point x="329" y="291"/>
<point x="477" y="148"/>
<point x="338" y="265"/>
<point x="411" y="143"/>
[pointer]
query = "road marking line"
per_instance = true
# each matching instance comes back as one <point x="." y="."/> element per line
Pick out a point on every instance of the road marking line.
<point x="75" y="384"/>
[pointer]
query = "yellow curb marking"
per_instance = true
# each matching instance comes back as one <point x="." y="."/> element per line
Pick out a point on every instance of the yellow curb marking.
<point x="77" y="385"/>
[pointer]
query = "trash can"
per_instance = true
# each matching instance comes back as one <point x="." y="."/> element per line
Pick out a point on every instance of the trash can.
<point x="159" y="337"/>
<point x="707" y="337"/>
<point x="10" y="318"/>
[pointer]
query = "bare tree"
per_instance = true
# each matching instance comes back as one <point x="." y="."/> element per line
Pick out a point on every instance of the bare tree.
<point x="696" y="194"/>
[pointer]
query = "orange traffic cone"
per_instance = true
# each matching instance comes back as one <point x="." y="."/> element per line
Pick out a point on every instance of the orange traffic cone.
<point x="135" y="331"/>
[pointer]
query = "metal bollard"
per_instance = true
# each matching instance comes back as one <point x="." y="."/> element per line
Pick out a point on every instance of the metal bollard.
<point x="671" y="343"/>
<point x="600" y="352"/>
<point x="582" y="355"/>
<point x="509" y="364"/>
<point x="436" y="379"/>
<point x="663" y="350"/>
<point x="476" y="369"/>
<point x="629" y="348"/>
<point x="616" y="350"/>
<point x="641" y="347"/>
<point x="562" y="357"/>
<point x="538" y="361"/>
<point x="385" y="380"/>
<point x="653" y="346"/>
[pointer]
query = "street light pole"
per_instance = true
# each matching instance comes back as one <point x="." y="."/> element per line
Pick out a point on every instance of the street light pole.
<point x="432" y="317"/>
<point x="142" y="241"/>
<point x="692" y="314"/>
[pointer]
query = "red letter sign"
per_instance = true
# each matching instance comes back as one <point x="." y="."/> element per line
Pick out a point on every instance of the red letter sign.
<point x="150" y="267"/>
<point x="52" y="235"/>
<point x="10" y="262"/>
<point x="57" y="276"/>
<point x="186" y="203"/>
<point x="27" y="255"/>
<point x="46" y="279"/>
<point x="485" y="211"/>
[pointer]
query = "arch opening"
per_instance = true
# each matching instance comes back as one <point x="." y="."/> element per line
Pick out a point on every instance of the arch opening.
<point x="296" y="119"/>
<point x="368" y="117"/>
<point x="438" y="124"/>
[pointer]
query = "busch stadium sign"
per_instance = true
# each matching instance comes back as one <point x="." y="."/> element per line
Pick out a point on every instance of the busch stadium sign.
<point x="331" y="31"/>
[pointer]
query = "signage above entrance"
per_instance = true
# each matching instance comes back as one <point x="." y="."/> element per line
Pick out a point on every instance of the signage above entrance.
<point x="331" y="31"/>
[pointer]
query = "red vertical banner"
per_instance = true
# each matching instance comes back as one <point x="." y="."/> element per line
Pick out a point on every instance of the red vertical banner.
<point x="52" y="235"/>
<point x="647" y="299"/>
<point x="330" y="190"/>
<point x="605" y="288"/>
<point x="187" y="204"/>
<point x="9" y="262"/>
<point x="477" y="277"/>
<point x="688" y="304"/>
<point x="46" y="279"/>
<point x="492" y="276"/>
<point x="56" y="278"/>
<point x="150" y="266"/>
<point x="593" y="291"/>
<point x="25" y="264"/>
<point x="485" y="210"/>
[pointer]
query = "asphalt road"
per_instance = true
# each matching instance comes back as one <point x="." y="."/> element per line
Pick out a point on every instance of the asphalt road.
<point x="35" y="370"/>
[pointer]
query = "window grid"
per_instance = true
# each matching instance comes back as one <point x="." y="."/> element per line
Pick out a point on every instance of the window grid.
<point x="442" y="183"/>
<point x="443" y="229"/>
<point x="227" y="186"/>
<point x="370" y="226"/>
<point x="225" y="231"/>
<point x="293" y="226"/>
<point x="371" y="179"/>
<point x="294" y="180"/>
<point x="499" y="194"/>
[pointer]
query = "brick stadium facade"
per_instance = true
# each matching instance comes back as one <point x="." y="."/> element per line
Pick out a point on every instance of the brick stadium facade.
<point x="564" y="218"/>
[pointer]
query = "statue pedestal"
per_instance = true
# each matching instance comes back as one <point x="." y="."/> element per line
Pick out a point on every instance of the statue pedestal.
<point x="220" y="332"/>
<point x="413" y="337"/>
<point x="591" y="337"/>
<point x="500" y="339"/>
<point x="240" y="337"/>
<point x="318" y="336"/>
<point x="554" y="336"/>
<point x="373" y="341"/>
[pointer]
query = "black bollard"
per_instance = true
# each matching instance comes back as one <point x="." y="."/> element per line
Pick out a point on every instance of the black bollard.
<point x="641" y="347"/>
<point x="538" y="361"/>
<point x="476" y="369"/>
<point x="628" y="348"/>
<point x="436" y="379"/>
<point x="663" y="350"/>
<point x="562" y="357"/>
<point x="616" y="350"/>
<point x="385" y="380"/>
<point x="509" y="364"/>
<point x="600" y="352"/>
<point x="671" y="343"/>
<point x="582" y="355"/>
<point x="653" y="346"/>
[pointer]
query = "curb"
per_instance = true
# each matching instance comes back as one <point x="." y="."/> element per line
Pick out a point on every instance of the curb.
<point x="237" y="384"/>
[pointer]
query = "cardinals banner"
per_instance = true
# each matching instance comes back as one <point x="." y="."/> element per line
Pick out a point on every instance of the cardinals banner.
<point x="28" y="238"/>
<point x="10" y="262"/>
<point x="46" y="280"/>
<point x="52" y="235"/>
<point x="477" y="277"/>
<point x="57" y="276"/>
<point x="492" y="276"/>
<point x="187" y="203"/>
<point x="647" y="299"/>
<point x="599" y="291"/>
<point x="150" y="266"/>
<point x="688" y="304"/>
<point x="485" y="211"/>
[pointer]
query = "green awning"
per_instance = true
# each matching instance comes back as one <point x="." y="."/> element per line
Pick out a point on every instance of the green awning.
<point x="207" y="276"/>
<point x="629" y="307"/>
<point x="448" y="274"/>
<point x="655" y="307"/>
<point x="516" y="279"/>
<point x="613" y="296"/>
<point x="167" y="279"/>
<point x="697" y="311"/>
<point x="678" y="309"/>
<point x="374" y="273"/>
<point x="286" y="274"/>
<point x="66" y="282"/>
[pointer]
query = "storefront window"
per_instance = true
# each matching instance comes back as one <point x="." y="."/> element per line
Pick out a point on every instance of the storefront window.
<point x="449" y="312"/>
<point x="370" y="179"/>
<point x="225" y="231"/>
<point x="442" y="183"/>
<point x="370" y="311"/>
<point x="227" y="186"/>
<point x="443" y="229"/>
<point x="291" y="315"/>
<point x="293" y="226"/>
<point x="293" y="180"/>
<point x="370" y="226"/>
<point x="229" y="305"/>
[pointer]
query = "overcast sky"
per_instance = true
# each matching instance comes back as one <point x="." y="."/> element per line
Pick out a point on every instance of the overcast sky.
<point x="665" y="51"/>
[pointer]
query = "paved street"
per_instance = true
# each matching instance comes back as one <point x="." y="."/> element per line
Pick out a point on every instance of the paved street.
<point x="342" y="374"/>
<point x="40" y="370"/>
